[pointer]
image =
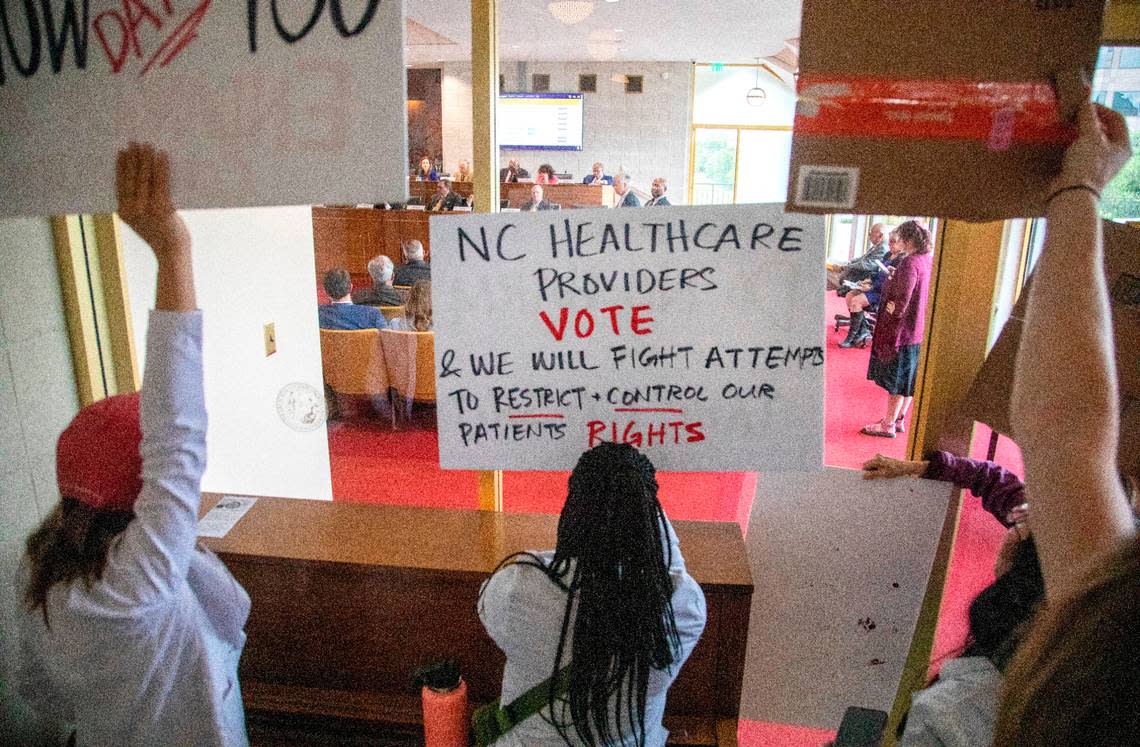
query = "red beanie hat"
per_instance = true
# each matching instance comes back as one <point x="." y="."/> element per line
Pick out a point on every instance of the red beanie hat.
<point x="97" y="459"/>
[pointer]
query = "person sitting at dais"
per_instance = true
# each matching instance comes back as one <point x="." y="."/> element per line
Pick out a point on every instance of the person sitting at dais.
<point x="463" y="172"/>
<point x="536" y="201"/>
<point x="444" y="198"/>
<point x="426" y="172"/>
<point x="513" y="172"/>
<point x="342" y="313"/>
<point x="414" y="267"/>
<point x="598" y="175"/>
<point x="596" y="630"/>
<point x="546" y="175"/>
<point x="417" y="310"/>
<point x="381" y="293"/>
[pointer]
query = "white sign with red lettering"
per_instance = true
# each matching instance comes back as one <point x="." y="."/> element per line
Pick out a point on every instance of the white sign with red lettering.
<point x="693" y="333"/>
<point x="258" y="102"/>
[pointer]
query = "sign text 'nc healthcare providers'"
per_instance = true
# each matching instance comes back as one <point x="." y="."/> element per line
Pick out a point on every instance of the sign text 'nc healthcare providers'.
<point x="694" y="334"/>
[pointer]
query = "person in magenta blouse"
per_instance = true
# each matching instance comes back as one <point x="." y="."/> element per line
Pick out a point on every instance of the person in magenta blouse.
<point x="899" y="329"/>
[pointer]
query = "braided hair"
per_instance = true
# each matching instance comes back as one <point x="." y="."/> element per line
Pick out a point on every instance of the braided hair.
<point x="612" y="559"/>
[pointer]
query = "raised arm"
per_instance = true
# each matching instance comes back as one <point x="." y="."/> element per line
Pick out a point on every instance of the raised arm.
<point x="151" y="560"/>
<point x="1065" y="409"/>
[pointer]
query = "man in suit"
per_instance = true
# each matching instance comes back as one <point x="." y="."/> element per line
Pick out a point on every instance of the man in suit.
<point x="626" y="197"/>
<point x="513" y="172"/>
<point x="414" y="267"/>
<point x="658" y="190"/>
<point x="381" y="293"/>
<point x="598" y="176"/>
<point x="861" y="268"/>
<point x="536" y="201"/>
<point x="342" y="313"/>
<point x="444" y="198"/>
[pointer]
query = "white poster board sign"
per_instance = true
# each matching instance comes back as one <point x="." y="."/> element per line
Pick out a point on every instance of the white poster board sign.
<point x="840" y="565"/>
<point x="258" y="102"/>
<point x="693" y="333"/>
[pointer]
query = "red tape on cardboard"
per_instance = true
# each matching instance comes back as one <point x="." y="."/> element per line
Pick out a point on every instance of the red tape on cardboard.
<point x="996" y="113"/>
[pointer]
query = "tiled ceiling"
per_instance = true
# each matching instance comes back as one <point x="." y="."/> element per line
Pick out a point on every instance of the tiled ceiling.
<point x="709" y="31"/>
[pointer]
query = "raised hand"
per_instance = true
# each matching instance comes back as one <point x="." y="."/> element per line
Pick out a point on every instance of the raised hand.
<point x="884" y="467"/>
<point x="142" y="187"/>
<point x="1100" y="150"/>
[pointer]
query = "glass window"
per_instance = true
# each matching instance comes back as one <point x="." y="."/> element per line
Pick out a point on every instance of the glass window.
<point x="1104" y="59"/>
<point x="1121" y="198"/>
<point x="714" y="166"/>
<point x="763" y="158"/>
<point x="1129" y="57"/>
<point x="721" y="96"/>
<point x="1126" y="102"/>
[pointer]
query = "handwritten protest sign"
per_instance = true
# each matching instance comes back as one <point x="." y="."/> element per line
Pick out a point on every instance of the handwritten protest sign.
<point x="695" y="334"/>
<point x="259" y="102"/>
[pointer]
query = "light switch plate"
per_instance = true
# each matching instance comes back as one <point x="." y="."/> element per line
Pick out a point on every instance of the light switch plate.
<point x="270" y="339"/>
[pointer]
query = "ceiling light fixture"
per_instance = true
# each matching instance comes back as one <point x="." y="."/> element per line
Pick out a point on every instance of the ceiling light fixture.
<point x="756" y="95"/>
<point x="570" y="12"/>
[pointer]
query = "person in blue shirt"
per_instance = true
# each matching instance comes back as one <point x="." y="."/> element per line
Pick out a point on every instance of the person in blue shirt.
<point x="598" y="176"/>
<point x="426" y="171"/>
<point x="342" y="313"/>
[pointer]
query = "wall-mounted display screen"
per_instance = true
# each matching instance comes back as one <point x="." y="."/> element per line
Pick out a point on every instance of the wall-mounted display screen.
<point x="540" y="121"/>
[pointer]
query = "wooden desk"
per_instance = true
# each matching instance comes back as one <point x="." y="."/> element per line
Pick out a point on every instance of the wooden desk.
<point x="348" y="599"/>
<point x="567" y="195"/>
<point x="424" y="190"/>
<point x="348" y="236"/>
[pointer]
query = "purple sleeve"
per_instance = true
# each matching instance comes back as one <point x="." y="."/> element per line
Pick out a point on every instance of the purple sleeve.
<point x="1000" y="490"/>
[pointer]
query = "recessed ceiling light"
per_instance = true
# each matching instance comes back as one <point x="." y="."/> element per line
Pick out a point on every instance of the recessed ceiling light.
<point x="571" y="11"/>
<point x="619" y="31"/>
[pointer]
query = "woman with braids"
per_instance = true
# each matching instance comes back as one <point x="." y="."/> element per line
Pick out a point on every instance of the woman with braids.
<point x="597" y="630"/>
<point x="129" y="631"/>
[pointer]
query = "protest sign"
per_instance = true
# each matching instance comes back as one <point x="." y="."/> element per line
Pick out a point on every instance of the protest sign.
<point x="693" y="333"/>
<point x="258" y="102"/>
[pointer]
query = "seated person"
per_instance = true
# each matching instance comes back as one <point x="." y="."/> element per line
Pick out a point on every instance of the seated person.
<point x="866" y="295"/>
<point x="414" y="267"/>
<point x="513" y="172"/>
<point x="607" y="618"/>
<point x="624" y="189"/>
<point x="536" y="201"/>
<point x="463" y="172"/>
<point x="381" y="293"/>
<point x="444" y="198"/>
<point x="417" y="310"/>
<point x="598" y="176"/>
<point x="658" y="190"/>
<point x="426" y="172"/>
<point x="342" y="313"/>
<point x="860" y="268"/>
<point x="546" y="175"/>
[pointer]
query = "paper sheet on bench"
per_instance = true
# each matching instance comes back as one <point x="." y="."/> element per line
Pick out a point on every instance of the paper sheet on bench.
<point x="840" y="566"/>
<point x="220" y="519"/>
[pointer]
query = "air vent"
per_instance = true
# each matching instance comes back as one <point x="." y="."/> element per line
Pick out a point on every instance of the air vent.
<point x="588" y="83"/>
<point x="633" y="83"/>
<point x="540" y="83"/>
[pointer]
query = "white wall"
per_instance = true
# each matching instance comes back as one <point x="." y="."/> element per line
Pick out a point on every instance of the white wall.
<point x="37" y="400"/>
<point x="252" y="266"/>
<point x="645" y="134"/>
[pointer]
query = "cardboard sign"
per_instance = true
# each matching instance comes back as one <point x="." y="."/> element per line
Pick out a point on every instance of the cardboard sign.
<point x="936" y="108"/>
<point x="837" y="594"/>
<point x="992" y="391"/>
<point x="258" y="103"/>
<point x="695" y="334"/>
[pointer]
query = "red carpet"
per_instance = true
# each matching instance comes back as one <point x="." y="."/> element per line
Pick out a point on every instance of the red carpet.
<point x="373" y="464"/>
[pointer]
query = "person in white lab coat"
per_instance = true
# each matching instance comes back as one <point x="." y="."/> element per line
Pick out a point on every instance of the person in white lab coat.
<point x="130" y="631"/>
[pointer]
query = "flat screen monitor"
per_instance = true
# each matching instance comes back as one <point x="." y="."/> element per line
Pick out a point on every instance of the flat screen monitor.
<point x="540" y="121"/>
